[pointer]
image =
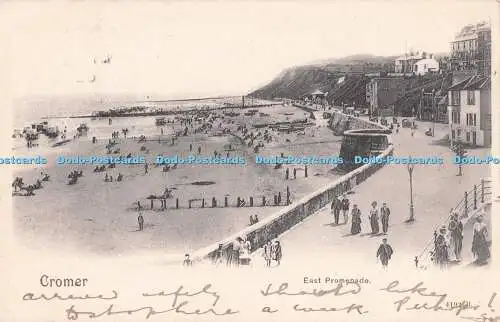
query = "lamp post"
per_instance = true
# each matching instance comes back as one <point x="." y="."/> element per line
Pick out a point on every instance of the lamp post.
<point x="410" y="172"/>
<point x="434" y="110"/>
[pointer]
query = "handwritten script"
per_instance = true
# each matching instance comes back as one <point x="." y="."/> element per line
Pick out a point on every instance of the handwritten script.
<point x="340" y="298"/>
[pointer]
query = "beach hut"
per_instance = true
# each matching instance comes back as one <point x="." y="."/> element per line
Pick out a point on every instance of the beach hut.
<point x="160" y="121"/>
<point x="52" y="132"/>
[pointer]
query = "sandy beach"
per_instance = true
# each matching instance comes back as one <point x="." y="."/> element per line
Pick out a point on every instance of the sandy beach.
<point x="101" y="217"/>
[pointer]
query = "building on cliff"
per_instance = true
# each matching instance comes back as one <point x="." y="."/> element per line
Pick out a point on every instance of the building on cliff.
<point x="426" y="65"/>
<point x="471" y="49"/>
<point x="405" y="64"/>
<point x="469" y="111"/>
<point x="383" y="92"/>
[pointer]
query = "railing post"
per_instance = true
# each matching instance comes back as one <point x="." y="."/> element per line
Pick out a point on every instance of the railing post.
<point x="177" y="203"/>
<point x="225" y="201"/>
<point x="475" y="197"/>
<point x="482" y="190"/>
<point x="251" y="201"/>
<point x="466" y="211"/>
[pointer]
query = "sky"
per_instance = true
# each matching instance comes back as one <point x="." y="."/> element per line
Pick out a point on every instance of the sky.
<point x="174" y="49"/>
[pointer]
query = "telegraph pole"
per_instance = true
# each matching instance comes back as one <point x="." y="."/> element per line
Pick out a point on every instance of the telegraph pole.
<point x="410" y="168"/>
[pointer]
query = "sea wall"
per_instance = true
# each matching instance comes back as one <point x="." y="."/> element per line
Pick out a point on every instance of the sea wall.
<point x="289" y="216"/>
<point x="339" y="123"/>
<point x="304" y="107"/>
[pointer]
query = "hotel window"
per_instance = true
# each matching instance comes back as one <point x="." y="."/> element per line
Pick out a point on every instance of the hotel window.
<point x="471" y="98"/>
<point x="453" y="134"/>
<point x="455" y="98"/>
<point x="467" y="136"/>
<point x="471" y="119"/>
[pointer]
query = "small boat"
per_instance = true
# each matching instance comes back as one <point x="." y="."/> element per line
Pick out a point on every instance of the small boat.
<point x="60" y="142"/>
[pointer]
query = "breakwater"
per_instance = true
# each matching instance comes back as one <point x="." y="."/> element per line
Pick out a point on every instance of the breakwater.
<point x="118" y="113"/>
<point x="289" y="216"/>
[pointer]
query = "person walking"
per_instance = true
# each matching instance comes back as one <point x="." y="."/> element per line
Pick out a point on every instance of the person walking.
<point x="187" y="261"/>
<point x="356" y="220"/>
<point x="480" y="246"/>
<point x="374" y="218"/>
<point x="276" y="252"/>
<point x="336" y="207"/>
<point x="268" y="253"/>
<point x="440" y="254"/>
<point x="236" y="252"/>
<point x="345" y="209"/>
<point x="219" y="255"/>
<point x="384" y="252"/>
<point x="245" y="252"/>
<point x="455" y="227"/>
<point x="140" y="220"/>
<point x="384" y="217"/>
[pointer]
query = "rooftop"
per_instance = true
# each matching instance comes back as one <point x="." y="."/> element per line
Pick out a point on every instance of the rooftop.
<point x="470" y="31"/>
<point x="426" y="61"/>
<point x="475" y="82"/>
<point x="317" y="92"/>
<point x="411" y="57"/>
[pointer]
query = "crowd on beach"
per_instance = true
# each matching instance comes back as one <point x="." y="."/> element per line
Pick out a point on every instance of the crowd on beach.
<point x="211" y="123"/>
<point x="19" y="185"/>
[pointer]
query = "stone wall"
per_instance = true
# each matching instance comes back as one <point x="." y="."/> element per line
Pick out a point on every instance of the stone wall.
<point x="289" y="216"/>
<point x="340" y="122"/>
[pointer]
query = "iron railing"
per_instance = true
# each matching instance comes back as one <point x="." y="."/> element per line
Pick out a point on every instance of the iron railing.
<point x="472" y="200"/>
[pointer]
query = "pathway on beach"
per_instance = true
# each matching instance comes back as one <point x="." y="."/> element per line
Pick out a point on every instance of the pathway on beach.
<point x="437" y="188"/>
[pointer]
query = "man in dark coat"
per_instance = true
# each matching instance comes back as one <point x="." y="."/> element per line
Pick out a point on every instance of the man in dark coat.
<point x="384" y="216"/>
<point x="336" y="207"/>
<point x="384" y="252"/>
<point x="140" y="220"/>
<point x="345" y="208"/>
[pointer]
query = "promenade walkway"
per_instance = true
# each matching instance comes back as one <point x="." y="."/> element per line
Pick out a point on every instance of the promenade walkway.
<point x="437" y="189"/>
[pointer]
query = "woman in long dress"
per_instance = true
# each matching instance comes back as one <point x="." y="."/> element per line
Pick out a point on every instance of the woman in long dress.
<point x="441" y="249"/>
<point x="480" y="246"/>
<point x="455" y="227"/>
<point x="356" y="220"/>
<point x="245" y="252"/>
<point x="277" y="253"/>
<point x="268" y="253"/>
<point x="374" y="218"/>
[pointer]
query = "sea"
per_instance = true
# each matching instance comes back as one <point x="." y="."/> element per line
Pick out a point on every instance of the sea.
<point x="60" y="111"/>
